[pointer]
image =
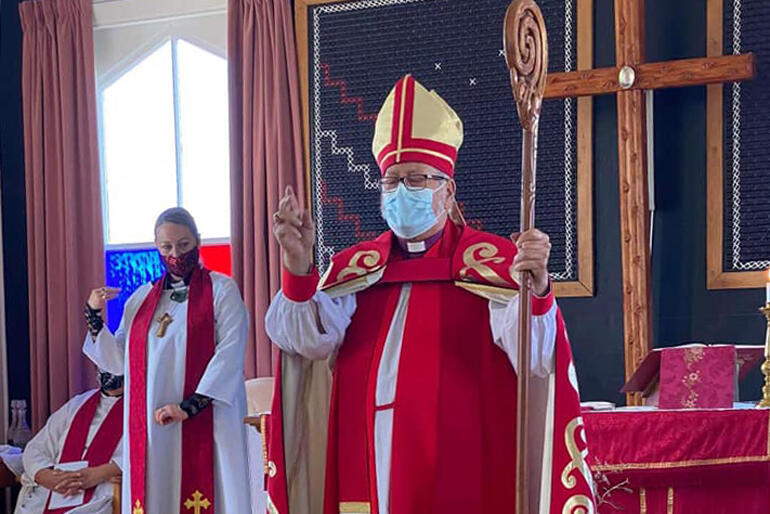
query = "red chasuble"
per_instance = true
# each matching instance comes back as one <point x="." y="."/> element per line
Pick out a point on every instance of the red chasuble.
<point x="197" y="432"/>
<point x="102" y="446"/>
<point x="454" y="426"/>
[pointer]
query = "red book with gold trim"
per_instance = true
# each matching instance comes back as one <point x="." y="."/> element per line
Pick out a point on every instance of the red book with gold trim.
<point x="697" y="377"/>
<point x="694" y="375"/>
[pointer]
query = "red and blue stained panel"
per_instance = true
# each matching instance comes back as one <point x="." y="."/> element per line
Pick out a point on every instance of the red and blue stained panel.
<point x="130" y="268"/>
<point x="358" y="50"/>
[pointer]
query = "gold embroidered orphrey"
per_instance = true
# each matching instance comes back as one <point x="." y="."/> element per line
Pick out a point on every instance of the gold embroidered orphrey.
<point x="487" y="253"/>
<point x="138" y="509"/>
<point x="579" y="502"/>
<point x="691" y="357"/>
<point x="362" y="262"/>
<point x="271" y="508"/>
<point x="197" y="502"/>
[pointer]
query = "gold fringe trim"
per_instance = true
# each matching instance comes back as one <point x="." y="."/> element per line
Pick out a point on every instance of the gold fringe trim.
<point x="680" y="464"/>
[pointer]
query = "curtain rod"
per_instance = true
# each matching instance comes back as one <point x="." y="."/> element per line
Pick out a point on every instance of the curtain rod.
<point x="164" y="19"/>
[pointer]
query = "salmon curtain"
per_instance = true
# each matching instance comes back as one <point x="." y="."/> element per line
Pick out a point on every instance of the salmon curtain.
<point x="265" y="153"/>
<point x="65" y="245"/>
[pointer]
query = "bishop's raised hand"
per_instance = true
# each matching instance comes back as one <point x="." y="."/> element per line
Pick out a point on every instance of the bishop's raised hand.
<point x="295" y="231"/>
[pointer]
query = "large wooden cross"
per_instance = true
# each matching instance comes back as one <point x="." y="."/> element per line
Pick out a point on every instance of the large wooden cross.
<point x="628" y="79"/>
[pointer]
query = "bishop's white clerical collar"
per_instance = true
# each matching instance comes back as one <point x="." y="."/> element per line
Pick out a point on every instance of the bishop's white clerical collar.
<point x="412" y="249"/>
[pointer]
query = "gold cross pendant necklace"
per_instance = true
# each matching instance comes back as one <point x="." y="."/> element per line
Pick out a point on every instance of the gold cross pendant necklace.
<point x="164" y="321"/>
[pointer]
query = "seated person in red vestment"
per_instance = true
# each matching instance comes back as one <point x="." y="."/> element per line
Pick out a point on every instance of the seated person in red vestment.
<point x="419" y="328"/>
<point x="85" y="434"/>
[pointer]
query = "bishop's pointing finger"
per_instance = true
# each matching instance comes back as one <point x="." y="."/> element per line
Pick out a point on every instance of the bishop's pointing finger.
<point x="307" y="219"/>
<point x="284" y="205"/>
<point x="293" y="203"/>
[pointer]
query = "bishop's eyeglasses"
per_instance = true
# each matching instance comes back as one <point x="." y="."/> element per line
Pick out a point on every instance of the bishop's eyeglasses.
<point x="412" y="182"/>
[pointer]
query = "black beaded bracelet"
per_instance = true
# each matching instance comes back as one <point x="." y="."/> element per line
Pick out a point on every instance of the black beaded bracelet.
<point x="93" y="320"/>
<point x="195" y="403"/>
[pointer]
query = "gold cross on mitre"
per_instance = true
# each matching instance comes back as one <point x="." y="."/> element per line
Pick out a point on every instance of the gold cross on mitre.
<point x="164" y="321"/>
<point x="137" y="508"/>
<point x="196" y="504"/>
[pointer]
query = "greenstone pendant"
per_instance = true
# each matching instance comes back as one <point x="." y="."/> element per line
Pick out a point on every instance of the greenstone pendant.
<point x="179" y="295"/>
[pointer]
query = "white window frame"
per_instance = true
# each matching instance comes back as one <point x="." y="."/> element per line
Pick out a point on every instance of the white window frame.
<point x="177" y="146"/>
<point x="115" y="14"/>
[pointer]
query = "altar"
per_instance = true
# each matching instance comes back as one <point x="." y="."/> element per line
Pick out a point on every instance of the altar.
<point x="680" y="461"/>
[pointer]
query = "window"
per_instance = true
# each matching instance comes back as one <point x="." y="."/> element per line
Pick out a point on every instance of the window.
<point x="164" y="142"/>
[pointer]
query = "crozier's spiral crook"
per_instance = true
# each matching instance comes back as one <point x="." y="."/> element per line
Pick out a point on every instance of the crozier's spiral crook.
<point x="526" y="54"/>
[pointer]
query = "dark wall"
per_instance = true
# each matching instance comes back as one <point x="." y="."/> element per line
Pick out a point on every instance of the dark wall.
<point x="683" y="309"/>
<point x="13" y="200"/>
<point x="595" y="325"/>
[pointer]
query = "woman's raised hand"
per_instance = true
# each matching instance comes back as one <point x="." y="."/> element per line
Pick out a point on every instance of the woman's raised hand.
<point x="99" y="297"/>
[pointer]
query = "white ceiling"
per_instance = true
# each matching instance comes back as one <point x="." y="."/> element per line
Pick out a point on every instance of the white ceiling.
<point x="111" y="13"/>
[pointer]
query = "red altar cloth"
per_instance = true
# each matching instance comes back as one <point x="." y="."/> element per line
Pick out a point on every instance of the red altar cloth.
<point x="681" y="462"/>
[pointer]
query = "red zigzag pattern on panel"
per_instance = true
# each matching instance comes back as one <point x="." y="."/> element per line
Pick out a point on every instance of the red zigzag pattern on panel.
<point x="344" y="98"/>
<point x="354" y="218"/>
<point x="362" y="116"/>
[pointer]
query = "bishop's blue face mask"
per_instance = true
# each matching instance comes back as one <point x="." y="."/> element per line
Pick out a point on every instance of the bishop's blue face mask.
<point x="409" y="213"/>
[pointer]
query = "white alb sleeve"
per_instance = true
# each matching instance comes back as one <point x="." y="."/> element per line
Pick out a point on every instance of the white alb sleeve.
<point x="504" y="321"/>
<point x="107" y="350"/>
<point x="295" y="328"/>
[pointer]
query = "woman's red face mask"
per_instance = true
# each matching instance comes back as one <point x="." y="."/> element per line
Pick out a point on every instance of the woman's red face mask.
<point x="182" y="265"/>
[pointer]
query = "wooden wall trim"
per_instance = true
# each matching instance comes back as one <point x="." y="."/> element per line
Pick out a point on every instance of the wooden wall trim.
<point x="585" y="151"/>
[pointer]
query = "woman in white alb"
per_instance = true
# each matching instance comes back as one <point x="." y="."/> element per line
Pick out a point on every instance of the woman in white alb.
<point x="182" y="344"/>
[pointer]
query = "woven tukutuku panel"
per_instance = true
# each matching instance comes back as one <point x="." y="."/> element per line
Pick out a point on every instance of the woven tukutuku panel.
<point x="358" y="50"/>
<point x="746" y="240"/>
